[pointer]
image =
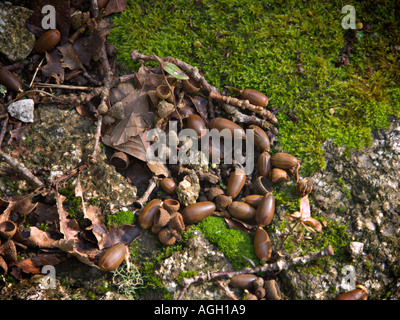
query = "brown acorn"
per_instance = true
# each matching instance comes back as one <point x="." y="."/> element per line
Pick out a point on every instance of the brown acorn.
<point x="262" y="245"/>
<point x="279" y="176"/>
<point x="255" y="97"/>
<point x="264" y="164"/>
<point x="261" y="139"/>
<point x="197" y="212"/>
<point x="196" y="123"/>
<point x="9" y="80"/>
<point x="253" y="200"/>
<point x="222" y="123"/>
<point x="47" y="41"/>
<point x="265" y="210"/>
<point x="168" y="185"/>
<point x="146" y="216"/>
<point x="283" y="160"/>
<point x="241" y="210"/>
<point x="171" y="205"/>
<point x="243" y="281"/>
<point x="259" y="292"/>
<point x="359" y="293"/>
<point x="7" y="229"/>
<point x="304" y="187"/>
<point x="112" y="257"/>
<point x="236" y="183"/>
<point x="120" y="160"/>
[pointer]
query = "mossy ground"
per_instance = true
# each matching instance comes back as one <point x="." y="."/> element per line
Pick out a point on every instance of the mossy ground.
<point x="249" y="44"/>
<point x="262" y="45"/>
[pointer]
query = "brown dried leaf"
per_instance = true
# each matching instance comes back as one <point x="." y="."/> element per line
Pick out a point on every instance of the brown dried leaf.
<point x="305" y="207"/>
<point x="53" y="67"/>
<point x="158" y="168"/>
<point x="88" y="46"/>
<point x="34" y="237"/>
<point x="313" y="223"/>
<point x="114" y="6"/>
<point x="240" y="225"/>
<point x="138" y="174"/>
<point x="68" y="227"/>
<point x="124" y="234"/>
<point x="200" y="104"/>
<point x="69" y="58"/>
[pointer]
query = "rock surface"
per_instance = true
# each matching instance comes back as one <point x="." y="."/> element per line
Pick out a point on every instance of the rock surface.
<point x="16" y="41"/>
<point x="22" y="110"/>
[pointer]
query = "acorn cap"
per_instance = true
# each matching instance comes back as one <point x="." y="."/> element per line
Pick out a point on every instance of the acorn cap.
<point x="176" y="222"/>
<point x="259" y="292"/>
<point x="222" y="201"/>
<point x="171" y="205"/>
<point x="213" y="192"/>
<point x="167" y="236"/>
<point x="7" y="229"/>
<point x="161" y="218"/>
<point x="8" y="251"/>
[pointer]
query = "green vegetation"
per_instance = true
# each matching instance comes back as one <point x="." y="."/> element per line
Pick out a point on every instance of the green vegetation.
<point x="248" y="44"/>
<point x="121" y="217"/>
<point x="233" y="243"/>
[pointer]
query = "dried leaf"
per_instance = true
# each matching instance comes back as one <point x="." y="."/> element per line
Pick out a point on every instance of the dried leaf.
<point x="305" y="207"/>
<point x="68" y="227"/>
<point x="200" y="104"/>
<point x="124" y="234"/>
<point x="313" y="223"/>
<point x="158" y="168"/>
<point x="69" y="58"/>
<point x="53" y="68"/>
<point x="34" y="237"/>
<point x="138" y="174"/>
<point x="88" y="46"/>
<point x="114" y="6"/>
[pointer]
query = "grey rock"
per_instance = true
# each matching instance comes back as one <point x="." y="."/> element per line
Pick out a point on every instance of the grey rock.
<point x="16" y="41"/>
<point x="22" y="110"/>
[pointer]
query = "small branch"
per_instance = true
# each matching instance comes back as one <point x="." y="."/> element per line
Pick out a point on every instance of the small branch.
<point x="3" y="129"/>
<point x="37" y="69"/>
<point x="276" y="267"/>
<point x="62" y="86"/>
<point x="139" y="203"/>
<point x="97" y="139"/>
<point x="20" y="168"/>
<point x="226" y="289"/>
<point x="69" y="175"/>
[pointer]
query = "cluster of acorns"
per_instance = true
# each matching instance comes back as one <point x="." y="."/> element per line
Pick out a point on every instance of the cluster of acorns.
<point x="256" y="288"/>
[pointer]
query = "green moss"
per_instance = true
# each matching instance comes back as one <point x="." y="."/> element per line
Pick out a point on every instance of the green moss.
<point x="255" y="45"/>
<point x="121" y="217"/>
<point x="233" y="243"/>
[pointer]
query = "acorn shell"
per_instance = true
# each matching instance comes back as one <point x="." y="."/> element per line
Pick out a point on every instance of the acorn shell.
<point x="243" y="281"/>
<point x="265" y="210"/>
<point x="264" y="164"/>
<point x="255" y="97"/>
<point x="196" y="123"/>
<point x="9" y="80"/>
<point x="197" y="212"/>
<point x="146" y="216"/>
<point x="47" y="41"/>
<point x="222" y="123"/>
<point x="279" y="176"/>
<point x="120" y="160"/>
<point x="112" y="257"/>
<point x="168" y="185"/>
<point x="236" y="183"/>
<point x="262" y="186"/>
<point x="253" y="200"/>
<point x="241" y="210"/>
<point x="261" y="139"/>
<point x="262" y="245"/>
<point x="283" y="160"/>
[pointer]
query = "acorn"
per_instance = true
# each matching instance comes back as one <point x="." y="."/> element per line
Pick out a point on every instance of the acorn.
<point x="168" y="185"/>
<point x="236" y="183"/>
<point x="9" y="80"/>
<point x="261" y="139"/>
<point x="265" y="210"/>
<point x="241" y="210"/>
<point x="255" y="97"/>
<point x="264" y="164"/>
<point x="279" y="176"/>
<point x="196" y="123"/>
<point x="197" y="212"/>
<point x="171" y="205"/>
<point x="304" y="187"/>
<point x="249" y="295"/>
<point x="113" y="257"/>
<point x="101" y="3"/>
<point x="259" y="292"/>
<point x="7" y="229"/>
<point x="283" y="160"/>
<point x="359" y="293"/>
<point x="3" y="266"/>
<point x="262" y="186"/>
<point x="253" y="200"/>
<point x="161" y="218"/>
<point x="47" y="41"/>
<point x="262" y="245"/>
<point x="146" y="216"/>
<point x="120" y="160"/>
<point x="176" y="222"/>
<point x="243" y="281"/>
<point x="222" y="201"/>
<point x="222" y="123"/>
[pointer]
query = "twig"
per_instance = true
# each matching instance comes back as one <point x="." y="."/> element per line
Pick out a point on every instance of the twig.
<point x="20" y="168"/>
<point x="97" y="139"/>
<point x="57" y="181"/>
<point x="139" y="203"/>
<point x="3" y="129"/>
<point x="62" y="86"/>
<point x="275" y="267"/>
<point x="226" y="289"/>
<point x="37" y="69"/>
